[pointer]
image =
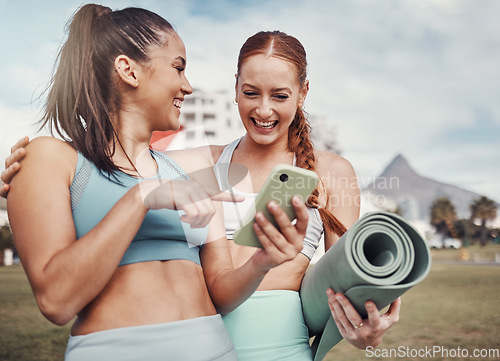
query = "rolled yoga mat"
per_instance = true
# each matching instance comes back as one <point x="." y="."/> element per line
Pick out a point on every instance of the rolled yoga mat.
<point x="378" y="259"/>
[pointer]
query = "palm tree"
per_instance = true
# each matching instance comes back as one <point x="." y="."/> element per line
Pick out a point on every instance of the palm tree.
<point x="464" y="229"/>
<point x="485" y="210"/>
<point x="443" y="215"/>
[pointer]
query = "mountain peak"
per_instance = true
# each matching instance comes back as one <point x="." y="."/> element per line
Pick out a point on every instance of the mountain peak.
<point x="398" y="166"/>
<point x="399" y="184"/>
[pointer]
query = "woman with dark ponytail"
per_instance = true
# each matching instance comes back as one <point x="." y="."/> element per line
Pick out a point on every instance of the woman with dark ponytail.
<point x="271" y="87"/>
<point x="115" y="234"/>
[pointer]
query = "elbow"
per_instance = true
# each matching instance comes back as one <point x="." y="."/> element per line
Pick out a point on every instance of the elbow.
<point x="223" y="307"/>
<point x="53" y="310"/>
<point x="223" y="311"/>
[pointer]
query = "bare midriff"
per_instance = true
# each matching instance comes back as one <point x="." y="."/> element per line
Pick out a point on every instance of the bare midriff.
<point x="147" y="293"/>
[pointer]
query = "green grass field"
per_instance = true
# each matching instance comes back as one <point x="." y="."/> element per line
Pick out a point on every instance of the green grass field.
<point x="24" y="333"/>
<point x="455" y="306"/>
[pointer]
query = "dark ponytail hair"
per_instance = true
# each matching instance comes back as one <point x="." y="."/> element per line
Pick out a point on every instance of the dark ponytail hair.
<point x="288" y="48"/>
<point x="82" y="92"/>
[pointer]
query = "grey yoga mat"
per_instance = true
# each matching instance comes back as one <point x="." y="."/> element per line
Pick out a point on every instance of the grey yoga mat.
<point x="379" y="258"/>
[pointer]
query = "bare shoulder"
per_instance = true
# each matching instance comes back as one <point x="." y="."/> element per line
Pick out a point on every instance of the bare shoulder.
<point x="48" y="144"/>
<point x="332" y="165"/>
<point x="341" y="190"/>
<point x="48" y="160"/>
<point x="49" y="150"/>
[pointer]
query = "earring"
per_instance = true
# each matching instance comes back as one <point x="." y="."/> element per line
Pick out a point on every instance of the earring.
<point x="235" y="102"/>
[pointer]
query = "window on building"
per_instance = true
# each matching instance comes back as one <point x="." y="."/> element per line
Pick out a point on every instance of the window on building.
<point x="207" y="116"/>
<point x="189" y="116"/>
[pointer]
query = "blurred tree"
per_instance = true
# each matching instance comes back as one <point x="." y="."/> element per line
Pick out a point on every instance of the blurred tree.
<point x="443" y="215"/>
<point x="485" y="210"/>
<point x="6" y="241"/>
<point x="464" y="229"/>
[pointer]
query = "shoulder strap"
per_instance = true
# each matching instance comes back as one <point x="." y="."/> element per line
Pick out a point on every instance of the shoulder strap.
<point x="82" y="176"/>
<point x="173" y="169"/>
<point x="221" y="168"/>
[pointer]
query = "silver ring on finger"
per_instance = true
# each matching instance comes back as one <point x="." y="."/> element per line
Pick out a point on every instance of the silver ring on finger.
<point x="358" y="326"/>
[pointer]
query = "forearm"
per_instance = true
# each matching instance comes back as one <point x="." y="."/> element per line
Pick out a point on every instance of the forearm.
<point x="232" y="287"/>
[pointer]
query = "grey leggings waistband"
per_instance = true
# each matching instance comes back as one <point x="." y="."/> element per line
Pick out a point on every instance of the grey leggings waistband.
<point x="197" y="339"/>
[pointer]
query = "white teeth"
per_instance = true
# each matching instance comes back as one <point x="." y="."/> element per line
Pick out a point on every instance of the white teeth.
<point x="267" y="125"/>
<point x="177" y="103"/>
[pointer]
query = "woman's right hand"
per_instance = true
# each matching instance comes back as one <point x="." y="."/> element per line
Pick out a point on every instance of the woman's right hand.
<point x="192" y="197"/>
<point x="285" y="242"/>
<point x="12" y="166"/>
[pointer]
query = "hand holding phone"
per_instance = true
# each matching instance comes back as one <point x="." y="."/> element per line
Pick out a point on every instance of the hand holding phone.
<point x="284" y="182"/>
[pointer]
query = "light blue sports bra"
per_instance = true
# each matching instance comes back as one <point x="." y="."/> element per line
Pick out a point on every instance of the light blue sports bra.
<point x="162" y="236"/>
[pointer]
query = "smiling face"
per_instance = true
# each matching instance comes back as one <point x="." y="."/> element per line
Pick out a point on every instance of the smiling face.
<point x="165" y="84"/>
<point x="268" y="95"/>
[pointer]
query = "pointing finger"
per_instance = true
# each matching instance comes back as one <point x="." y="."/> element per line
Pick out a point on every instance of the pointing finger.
<point x="227" y="197"/>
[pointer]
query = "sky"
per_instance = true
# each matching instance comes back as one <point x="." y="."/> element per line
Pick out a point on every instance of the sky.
<point x="419" y="78"/>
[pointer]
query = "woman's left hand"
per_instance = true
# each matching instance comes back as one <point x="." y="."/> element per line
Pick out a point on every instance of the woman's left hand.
<point x="358" y="332"/>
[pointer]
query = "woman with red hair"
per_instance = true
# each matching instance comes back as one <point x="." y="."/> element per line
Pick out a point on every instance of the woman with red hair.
<point x="271" y="88"/>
